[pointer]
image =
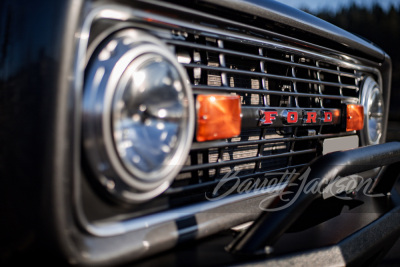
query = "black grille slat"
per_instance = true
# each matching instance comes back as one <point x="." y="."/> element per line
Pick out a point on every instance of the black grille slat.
<point x="208" y="145"/>
<point x="203" y="186"/>
<point x="257" y="57"/>
<point x="243" y="160"/>
<point x="199" y="88"/>
<point x="266" y="75"/>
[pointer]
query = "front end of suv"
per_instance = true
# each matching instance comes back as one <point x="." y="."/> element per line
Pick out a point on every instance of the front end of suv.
<point x="111" y="159"/>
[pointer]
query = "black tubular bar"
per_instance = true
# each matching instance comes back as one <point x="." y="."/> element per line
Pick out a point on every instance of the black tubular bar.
<point x="260" y="237"/>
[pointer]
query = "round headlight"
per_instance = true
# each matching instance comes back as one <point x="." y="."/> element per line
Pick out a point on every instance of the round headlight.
<point x="372" y="101"/>
<point x="138" y="119"/>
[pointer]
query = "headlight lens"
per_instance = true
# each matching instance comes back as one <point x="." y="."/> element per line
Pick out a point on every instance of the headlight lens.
<point x="138" y="119"/>
<point x="373" y="112"/>
<point x="148" y="112"/>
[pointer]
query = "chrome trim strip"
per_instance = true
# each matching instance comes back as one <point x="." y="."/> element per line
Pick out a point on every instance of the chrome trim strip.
<point x="119" y="228"/>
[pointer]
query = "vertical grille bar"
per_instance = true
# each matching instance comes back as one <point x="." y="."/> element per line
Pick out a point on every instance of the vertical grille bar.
<point x="294" y="83"/>
<point x="340" y="81"/>
<point x="319" y="85"/>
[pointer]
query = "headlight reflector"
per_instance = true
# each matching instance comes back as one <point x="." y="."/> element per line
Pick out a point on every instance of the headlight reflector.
<point x="138" y="118"/>
<point x="148" y="109"/>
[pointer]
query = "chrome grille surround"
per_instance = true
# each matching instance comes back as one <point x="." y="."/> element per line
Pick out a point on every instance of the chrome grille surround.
<point x="257" y="151"/>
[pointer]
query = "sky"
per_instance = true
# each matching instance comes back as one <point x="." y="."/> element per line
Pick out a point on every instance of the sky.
<point x="335" y="5"/>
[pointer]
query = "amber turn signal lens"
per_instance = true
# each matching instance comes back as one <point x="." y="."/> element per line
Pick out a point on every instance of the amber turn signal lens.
<point x="355" y="117"/>
<point x="218" y="117"/>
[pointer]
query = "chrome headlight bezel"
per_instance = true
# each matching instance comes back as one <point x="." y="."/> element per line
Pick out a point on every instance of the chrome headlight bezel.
<point x="111" y="64"/>
<point x="372" y="100"/>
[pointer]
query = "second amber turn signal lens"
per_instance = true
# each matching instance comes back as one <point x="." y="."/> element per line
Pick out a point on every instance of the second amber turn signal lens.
<point x="355" y="117"/>
<point x="218" y="117"/>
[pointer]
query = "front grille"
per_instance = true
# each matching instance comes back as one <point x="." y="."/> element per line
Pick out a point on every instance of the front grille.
<point x="268" y="71"/>
<point x="263" y="77"/>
